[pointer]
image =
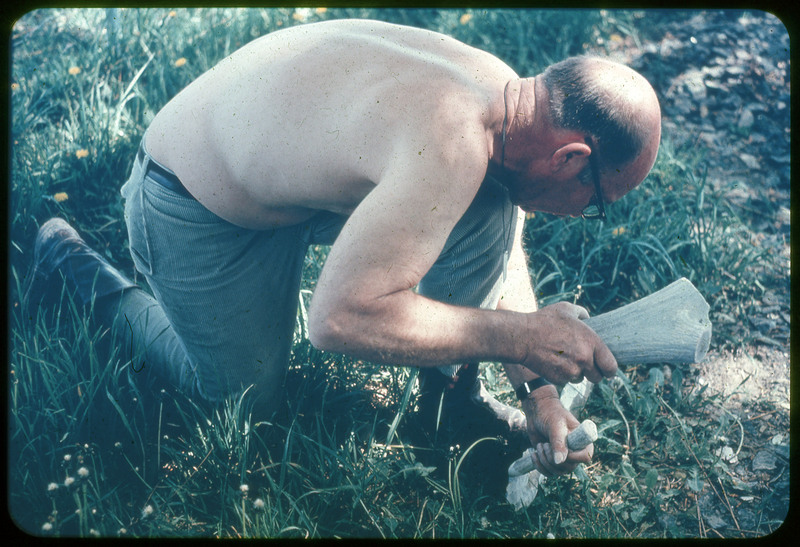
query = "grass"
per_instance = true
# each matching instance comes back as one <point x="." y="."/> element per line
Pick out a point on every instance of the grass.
<point x="92" y="453"/>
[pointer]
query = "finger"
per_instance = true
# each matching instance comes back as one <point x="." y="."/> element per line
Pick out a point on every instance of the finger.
<point x="581" y="456"/>
<point x="581" y="312"/>
<point x="604" y="361"/>
<point x="558" y="441"/>
<point x="593" y="373"/>
<point x="543" y="460"/>
<point x="547" y="465"/>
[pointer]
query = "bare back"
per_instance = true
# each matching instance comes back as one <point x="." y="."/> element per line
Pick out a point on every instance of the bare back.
<point x="310" y="118"/>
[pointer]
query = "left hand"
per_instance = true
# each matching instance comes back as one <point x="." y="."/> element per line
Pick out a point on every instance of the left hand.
<point x="548" y="425"/>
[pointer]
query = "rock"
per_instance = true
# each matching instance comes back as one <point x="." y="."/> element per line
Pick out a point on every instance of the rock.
<point x="693" y="81"/>
<point x="782" y="451"/>
<point x="747" y="518"/>
<point x="735" y="70"/>
<point x="784" y="159"/>
<point x="784" y="215"/>
<point x="709" y="508"/>
<point x="764" y="460"/>
<point x="746" y="120"/>
<point x="714" y="520"/>
<point x="750" y="161"/>
<point x="727" y="454"/>
<point x="667" y="521"/>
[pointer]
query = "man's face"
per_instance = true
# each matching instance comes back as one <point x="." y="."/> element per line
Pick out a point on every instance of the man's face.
<point x="534" y="188"/>
<point x="535" y="192"/>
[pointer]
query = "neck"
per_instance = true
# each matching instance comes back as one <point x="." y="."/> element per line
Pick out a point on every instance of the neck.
<point x="519" y="109"/>
<point x="505" y="127"/>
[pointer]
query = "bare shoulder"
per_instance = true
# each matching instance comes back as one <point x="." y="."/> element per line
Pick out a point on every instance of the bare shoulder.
<point x="356" y="104"/>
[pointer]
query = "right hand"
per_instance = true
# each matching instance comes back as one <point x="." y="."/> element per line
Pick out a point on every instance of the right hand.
<point x="563" y="349"/>
<point x="548" y="423"/>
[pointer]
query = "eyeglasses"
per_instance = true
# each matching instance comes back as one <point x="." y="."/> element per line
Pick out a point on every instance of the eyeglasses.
<point x="595" y="209"/>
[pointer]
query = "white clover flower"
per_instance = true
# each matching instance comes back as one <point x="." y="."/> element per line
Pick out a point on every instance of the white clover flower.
<point x="67" y="457"/>
<point x="258" y="503"/>
<point x="244" y="488"/>
<point x="68" y="481"/>
<point x="93" y="532"/>
<point x="83" y="472"/>
<point x="147" y="511"/>
<point x="122" y="531"/>
<point x="52" y="487"/>
<point x="46" y="527"/>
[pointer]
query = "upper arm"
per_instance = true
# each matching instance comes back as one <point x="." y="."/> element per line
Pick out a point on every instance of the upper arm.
<point x="398" y="231"/>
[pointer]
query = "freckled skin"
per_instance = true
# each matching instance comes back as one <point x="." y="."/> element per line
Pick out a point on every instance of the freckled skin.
<point x="397" y="128"/>
<point x="314" y="117"/>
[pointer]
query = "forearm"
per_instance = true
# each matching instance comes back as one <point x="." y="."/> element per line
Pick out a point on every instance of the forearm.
<point x="405" y="328"/>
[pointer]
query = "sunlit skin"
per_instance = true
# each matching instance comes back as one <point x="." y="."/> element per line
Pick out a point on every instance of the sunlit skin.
<point x="544" y="172"/>
<point x="397" y="128"/>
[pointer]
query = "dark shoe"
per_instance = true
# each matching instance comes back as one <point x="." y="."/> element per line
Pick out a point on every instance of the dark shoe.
<point x="455" y="412"/>
<point x="60" y="253"/>
<point x="461" y="406"/>
<point x="442" y="398"/>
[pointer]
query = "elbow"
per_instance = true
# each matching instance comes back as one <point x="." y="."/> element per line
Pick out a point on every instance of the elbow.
<point x="352" y="326"/>
<point x="328" y="331"/>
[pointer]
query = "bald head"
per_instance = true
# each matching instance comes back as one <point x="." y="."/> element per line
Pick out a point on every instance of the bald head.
<point x="612" y="104"/>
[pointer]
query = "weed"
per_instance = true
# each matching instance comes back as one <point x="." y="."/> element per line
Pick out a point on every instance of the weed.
<point x="94" y="453"/>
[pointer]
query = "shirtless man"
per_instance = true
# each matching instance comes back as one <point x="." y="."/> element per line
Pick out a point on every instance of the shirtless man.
<point x="412" y="154"/>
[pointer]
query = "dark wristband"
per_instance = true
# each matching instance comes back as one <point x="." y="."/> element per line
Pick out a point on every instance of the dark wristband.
<point x="524" y="391"/>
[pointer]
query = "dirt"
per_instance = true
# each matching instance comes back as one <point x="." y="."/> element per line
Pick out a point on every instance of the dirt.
<point x="749" y="376"/>
<point x="723" y="82"/>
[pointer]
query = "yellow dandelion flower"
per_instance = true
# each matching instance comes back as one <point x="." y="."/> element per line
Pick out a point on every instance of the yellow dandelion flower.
<point x="465" y="18"/>
<point x="618" y="231"/>
<point x="320" y="11"/>
<point x="180" y="62"/>
<point x="172" y="13"/>
<point x="616" y="38"/>
<point x="530" y="215"/>
<point x="60" y="196"/>
<point x="14" y="86"/>
<point x="82" y="153"/>
<point x="74" y="70"/>
<point x="297" y="16"/>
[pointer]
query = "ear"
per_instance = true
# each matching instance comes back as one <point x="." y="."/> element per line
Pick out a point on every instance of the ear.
<point x="569" y="159"/>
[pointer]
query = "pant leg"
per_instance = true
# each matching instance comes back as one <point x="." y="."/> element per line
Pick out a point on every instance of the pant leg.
<point x="227" y="296"/>
<point x="471" y="268"/>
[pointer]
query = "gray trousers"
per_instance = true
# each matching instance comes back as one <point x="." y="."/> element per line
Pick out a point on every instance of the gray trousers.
<point x="226" y="298"/>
